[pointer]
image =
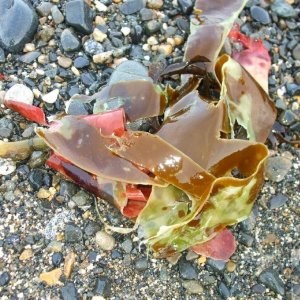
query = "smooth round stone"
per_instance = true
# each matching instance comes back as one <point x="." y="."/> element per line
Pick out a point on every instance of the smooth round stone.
<point x="18" y="24"/>
<point x="192" y="287"/>
<point x="81" y="62"/>
<point x="186" y="6"/>
<point x="20" y="93"/>
<point x="57" y="16"/>
<point x="186" y="270"/>
<point x="146" y="14"/>
<point x="57" y="259"/>
<point x="105" y="241"/>
<point x="283" y="9"/>
<point x="73" y="233"/>
<point x="79" y="16"/>
<point x="4" y="278"/>
<point x="129" y="70"/>
<point x="6" y="128"/>
<point x="277" y="168"/>
<point x="44" y="9"/>
<point x="270" y="278"/>
<point x="260" y="15"/>
<point x="141" y="264"/>
<point x="28" y="58"/>
<point x="155" y="4"/>
<point x="69" y="41"/>
<point x="296" y="52"/>
<point x="131" y="6"/>
<point x="278" y="201"/>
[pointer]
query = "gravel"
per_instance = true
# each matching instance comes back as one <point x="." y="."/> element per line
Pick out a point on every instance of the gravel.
<point x="45" y="215"/>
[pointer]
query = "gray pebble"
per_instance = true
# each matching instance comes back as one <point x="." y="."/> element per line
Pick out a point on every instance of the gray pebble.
<point x="131" y="6"/>
<point x="260" y="15"/>
<point x="283" y="9"/>
<point x="141" y="264"/>
<point x="186" y="270"/>
<point x="73" y="233"/>
<point x="69" y="41"/>
<point x="277" y="168"/>
<point x="278" y="201"/>
<point x="270" y="278"/>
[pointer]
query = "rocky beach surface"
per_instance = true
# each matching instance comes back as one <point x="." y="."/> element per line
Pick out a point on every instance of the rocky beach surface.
<point x="52" y="243"/>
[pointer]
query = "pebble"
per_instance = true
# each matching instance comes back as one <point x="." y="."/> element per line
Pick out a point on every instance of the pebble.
<point x="192" y="287"/>
<point x="105" y="241"/>
<point x="296" y="52"/>
<point x="26" y="254"/>
<point x="287" y="118"/>
<point x="77" y="108"/>
<point x="18" y="24"/>
<point x="217" y="265"/>
<point x="79" y="16"/>
<point x="129" y="70"/>
<point x="69" y="41"/>
<point x="270" y="278"/>
<point x="141" y="264"/>
<point x="28" y="58"/>
<point x="69" y="292"/>
<point x="51" y="278"/>
<point x="277" y="168"/>
<point x="283" y="9"/>
<point x="165" y="49"/>
<point x="127" y="245"/>
<point x="152" y="27"/>
<point x="186" y="270"/>
<point x="260" y="15"/>
<point x="246" y="239"/>
<point x="224" y="291"/>
<point x="44" y="9"/>
<point x="69" y="264"/>
<point x="92" y="47"/>
<point x="81" y="198"/>
<point x="81" y="62"/>
<point x="46" y="33"/>
<point x="57" y="16"/>
<point x="21" y="93"/>
<point x="155" y="4"/>
<point x="103" y="58"/>
<point x="131" y="6"/>
<point x="146" y="14"/>
<point x="278" y="201"/>
<point x="73" y="233"/>
<point x="230" y="266"/>
<point x="4" y="278"/>
<point x="186" y="6"/>
<point x="38" y="178"/>
<point x="6" y="131"/>
<point x="125" y="31"/>
<point x="103" y="286"/>
<point x="258" y="289"/>
<point x="57" y="258"/>
<point x="64" y="62"/>
<point x="7" y="166"/>
<point x="51" y="97"/>
<point x="98" y="35"/>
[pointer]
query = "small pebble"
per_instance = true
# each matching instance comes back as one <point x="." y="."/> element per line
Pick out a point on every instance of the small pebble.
<point x="105" y="241"/>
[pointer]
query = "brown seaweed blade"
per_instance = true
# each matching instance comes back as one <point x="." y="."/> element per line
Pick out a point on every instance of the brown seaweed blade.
<point x="83" y="145"/>
<point x="208" y="35"/>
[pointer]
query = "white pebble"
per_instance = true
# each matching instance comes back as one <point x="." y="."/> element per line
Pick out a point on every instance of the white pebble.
<point x="105" y="241"/>
<point x="19" y="93"/>
<point x="51" y="97"/>
<point x="125" y="30"/>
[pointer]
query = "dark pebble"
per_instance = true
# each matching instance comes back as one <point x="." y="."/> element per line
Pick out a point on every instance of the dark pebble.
<point x="103" y="286"/>
<point x="69" y="292"/>
<point x="81" y="62"/>
<point x="217" y="265"/>
<point x="246" y="239"/>
<point x="91" y="228"/>
<point x="183" y="25"/>
<point x="67" y="189"/>
<point x="88" y="78"/>
<point x="79" y="16"/>
<point x="186" y="270"/>
<point x="270" y="278"/>
<point x="92" y="256"/>
<point x="260" y="15"/>
<point x="146" y="14"/>
<point x="131" y="6"/>
<point x="224" y="291"/>
<point x="186" y="6"/>
<point x="57" y="259"/>
<point x="38" y="178"/>
<point x="152" y="27"/>
<point x="278" y="201"/>
<point x="4" y="278"/>
<point x="136" y="34"/>
<point x="293" y="89"/>
<point x="141" y="264"/>
<point x="73" y="233"/>
<point x="115" y="254"/>
<point x="258" y="289"/>
<point x="18" y="24"/>
<point x="77" y="108"/>
<point x="287" y="117"/>
<point x="69" y="41"/>
<point x="6" y="128"/>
